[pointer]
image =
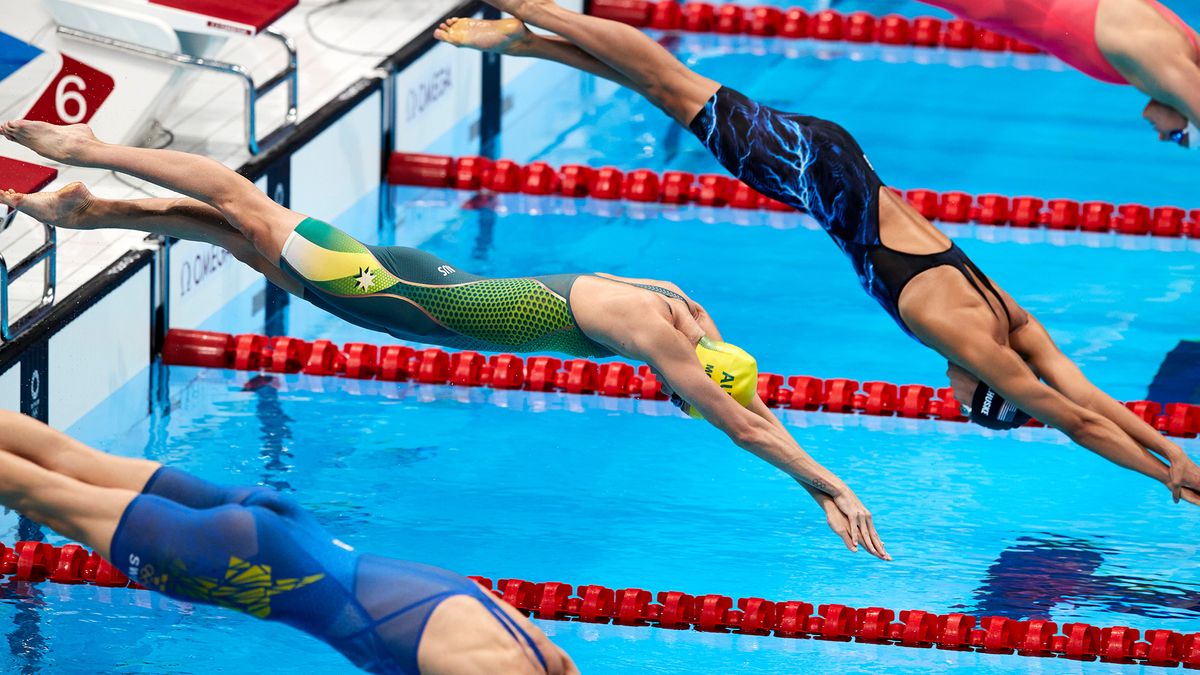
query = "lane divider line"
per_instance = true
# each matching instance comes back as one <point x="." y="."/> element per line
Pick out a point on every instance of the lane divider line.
<point x="715" y="190"/>
<point x="33" y="561"/>
<point x="396" y="363"/>
<point x="797" y="23"/>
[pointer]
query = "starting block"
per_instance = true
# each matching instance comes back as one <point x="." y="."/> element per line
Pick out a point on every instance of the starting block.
<point x="187" y="33"/>
<point x="25" y="177"/>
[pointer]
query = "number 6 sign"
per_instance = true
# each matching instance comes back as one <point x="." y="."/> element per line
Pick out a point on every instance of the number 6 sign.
<point x="74" y="95"/>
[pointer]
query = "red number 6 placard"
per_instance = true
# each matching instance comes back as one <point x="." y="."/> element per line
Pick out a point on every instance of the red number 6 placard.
<point x="74" y="95"/>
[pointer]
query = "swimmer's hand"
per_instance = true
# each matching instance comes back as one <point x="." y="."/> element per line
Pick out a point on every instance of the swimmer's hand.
<point x="963" y="382"/>
<point x="1170" y="124"/>
<point x="1190" y="496"/>
<point x="851" y="521"/>
<point x="1183" y="474"/>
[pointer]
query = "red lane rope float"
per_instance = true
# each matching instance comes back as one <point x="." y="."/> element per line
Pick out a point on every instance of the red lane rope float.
<point x="33" y="561"/>
<point x="70" y="564"/>
<point x="715" y="190"/>
<point x="395" y="363"/>
<point x="876" y="625"/>
<point x="797" y="23"/>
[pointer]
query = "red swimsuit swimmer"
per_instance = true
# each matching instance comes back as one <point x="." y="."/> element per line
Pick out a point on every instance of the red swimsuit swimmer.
<point x="1064" y="28"/>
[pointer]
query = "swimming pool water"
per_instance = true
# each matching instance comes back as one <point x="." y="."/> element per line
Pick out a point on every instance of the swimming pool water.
<point x="629" y="493"/>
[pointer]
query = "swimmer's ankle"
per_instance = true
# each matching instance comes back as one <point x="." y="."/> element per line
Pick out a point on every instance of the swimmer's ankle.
<point x="525" y="46"/>
<point x="530" y="11"/>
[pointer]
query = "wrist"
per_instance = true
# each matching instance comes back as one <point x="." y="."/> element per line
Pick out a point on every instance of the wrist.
<point x="831" y="487"/>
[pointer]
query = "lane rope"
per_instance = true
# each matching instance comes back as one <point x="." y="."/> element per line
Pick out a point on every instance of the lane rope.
<point x="32" y="561"/>
<point x="798" y="24"/>
<point x="715" y="190"/>
<point x="396" y="363"/>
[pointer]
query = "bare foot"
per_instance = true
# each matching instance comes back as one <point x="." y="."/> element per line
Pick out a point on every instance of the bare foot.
<point x="503" y="36"/>
<point x="66" y="208"/>
<point x="519" y="8"/>
<point x="59" y="143"/>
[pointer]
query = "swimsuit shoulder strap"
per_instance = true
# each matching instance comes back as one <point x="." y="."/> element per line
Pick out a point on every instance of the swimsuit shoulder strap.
<point x="1175" y="20"/>
<point x="665" y="292"/>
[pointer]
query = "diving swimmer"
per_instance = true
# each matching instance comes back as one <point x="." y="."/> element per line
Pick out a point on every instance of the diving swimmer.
<point x="416" y="296"/>
<point x="256" y="551"/>
<point x="1136" y="42"/>
<point x="1000" y="358"/>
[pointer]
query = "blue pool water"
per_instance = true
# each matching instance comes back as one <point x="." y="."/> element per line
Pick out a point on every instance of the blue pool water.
<point x="628" y="493"/>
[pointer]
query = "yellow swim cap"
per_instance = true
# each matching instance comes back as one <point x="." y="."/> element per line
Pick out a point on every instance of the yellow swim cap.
<point x="731" y="367"/>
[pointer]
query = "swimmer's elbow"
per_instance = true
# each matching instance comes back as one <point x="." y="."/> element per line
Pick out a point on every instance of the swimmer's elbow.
<point x="749" y="431"/>
<point x="1085" y="427"/>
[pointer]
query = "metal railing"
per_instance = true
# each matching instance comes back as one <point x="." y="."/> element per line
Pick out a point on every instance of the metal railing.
<point x="253" y="92"/>
<point x="46" y="252"/>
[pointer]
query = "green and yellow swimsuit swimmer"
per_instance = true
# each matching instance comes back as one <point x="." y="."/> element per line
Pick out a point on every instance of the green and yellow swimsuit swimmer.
<point x="413" y="295"/>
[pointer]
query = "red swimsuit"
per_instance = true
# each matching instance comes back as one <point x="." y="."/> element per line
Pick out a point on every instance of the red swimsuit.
<point x="1064" y="28"/>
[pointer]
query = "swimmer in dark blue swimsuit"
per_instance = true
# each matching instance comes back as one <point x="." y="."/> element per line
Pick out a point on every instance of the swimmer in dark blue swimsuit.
<point x="255" y="551"/>
<point x="1000" y="357"/>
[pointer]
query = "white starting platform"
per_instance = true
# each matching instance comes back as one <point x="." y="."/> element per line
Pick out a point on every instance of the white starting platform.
<point x="222" y="78"/>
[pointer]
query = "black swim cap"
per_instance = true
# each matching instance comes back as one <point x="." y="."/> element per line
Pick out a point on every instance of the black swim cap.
<point x="990" y="409"/>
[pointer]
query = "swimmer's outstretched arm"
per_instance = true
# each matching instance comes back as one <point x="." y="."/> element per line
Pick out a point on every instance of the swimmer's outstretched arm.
<point x="1005" y="371"/>
<point x="1037" y="348"/>
<point x="264" y="223"/>
<point x="73" y="207"/>
<point x="1163" y="69"/>
<point x="838" y="521"/>
<point x="672" y="354"/>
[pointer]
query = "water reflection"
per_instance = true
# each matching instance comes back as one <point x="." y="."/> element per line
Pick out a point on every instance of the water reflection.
<point x="276" y="429"/>
<point x="1037" y="574"/>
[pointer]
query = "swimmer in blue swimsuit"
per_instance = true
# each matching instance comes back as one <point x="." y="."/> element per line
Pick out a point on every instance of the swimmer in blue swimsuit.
<point x="412" y="295"/>
<point x="255" y="551"/>
<point x="1000" y="358"/>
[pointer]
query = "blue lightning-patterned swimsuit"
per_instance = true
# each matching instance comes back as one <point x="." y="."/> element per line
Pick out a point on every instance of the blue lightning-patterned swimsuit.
<point x="816" y="166"/>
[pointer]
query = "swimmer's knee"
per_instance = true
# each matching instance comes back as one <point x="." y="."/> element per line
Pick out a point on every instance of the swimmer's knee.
<point x="251" y="212"/>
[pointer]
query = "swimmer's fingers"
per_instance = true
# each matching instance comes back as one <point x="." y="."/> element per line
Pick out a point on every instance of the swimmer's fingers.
<point x="8" y="198"/>
<point x="855" y="535"/>
<point x="864" y="532"/>
<point x="838" y="522"/>
<point x="874" y="535"/>
<point x="1174" y="480"/>
<point x="1190" y="496"/>
<point x="842" y="529"/>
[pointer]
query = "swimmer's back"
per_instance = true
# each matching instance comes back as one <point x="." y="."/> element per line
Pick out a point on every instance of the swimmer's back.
<point x="1064" y="28"/>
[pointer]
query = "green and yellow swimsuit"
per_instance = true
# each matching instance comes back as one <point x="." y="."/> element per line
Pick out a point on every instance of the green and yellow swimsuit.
<point x="413" y="295"/>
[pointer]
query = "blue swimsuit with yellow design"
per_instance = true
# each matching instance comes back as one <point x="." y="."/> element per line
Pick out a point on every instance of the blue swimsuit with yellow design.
<point x="254" y="550"/>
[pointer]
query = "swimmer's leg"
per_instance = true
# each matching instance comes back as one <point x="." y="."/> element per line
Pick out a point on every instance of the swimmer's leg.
<point x="648" y="68"/>
<point x="262" y="221"/>
<point x="73" y="207"/>
<point x="82" y="510"/>
<point x="512" y="38"/>
<point x="55" y="451"/>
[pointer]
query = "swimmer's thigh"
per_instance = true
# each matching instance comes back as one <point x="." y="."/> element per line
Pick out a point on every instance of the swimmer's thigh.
<point x="74" y="509"/>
